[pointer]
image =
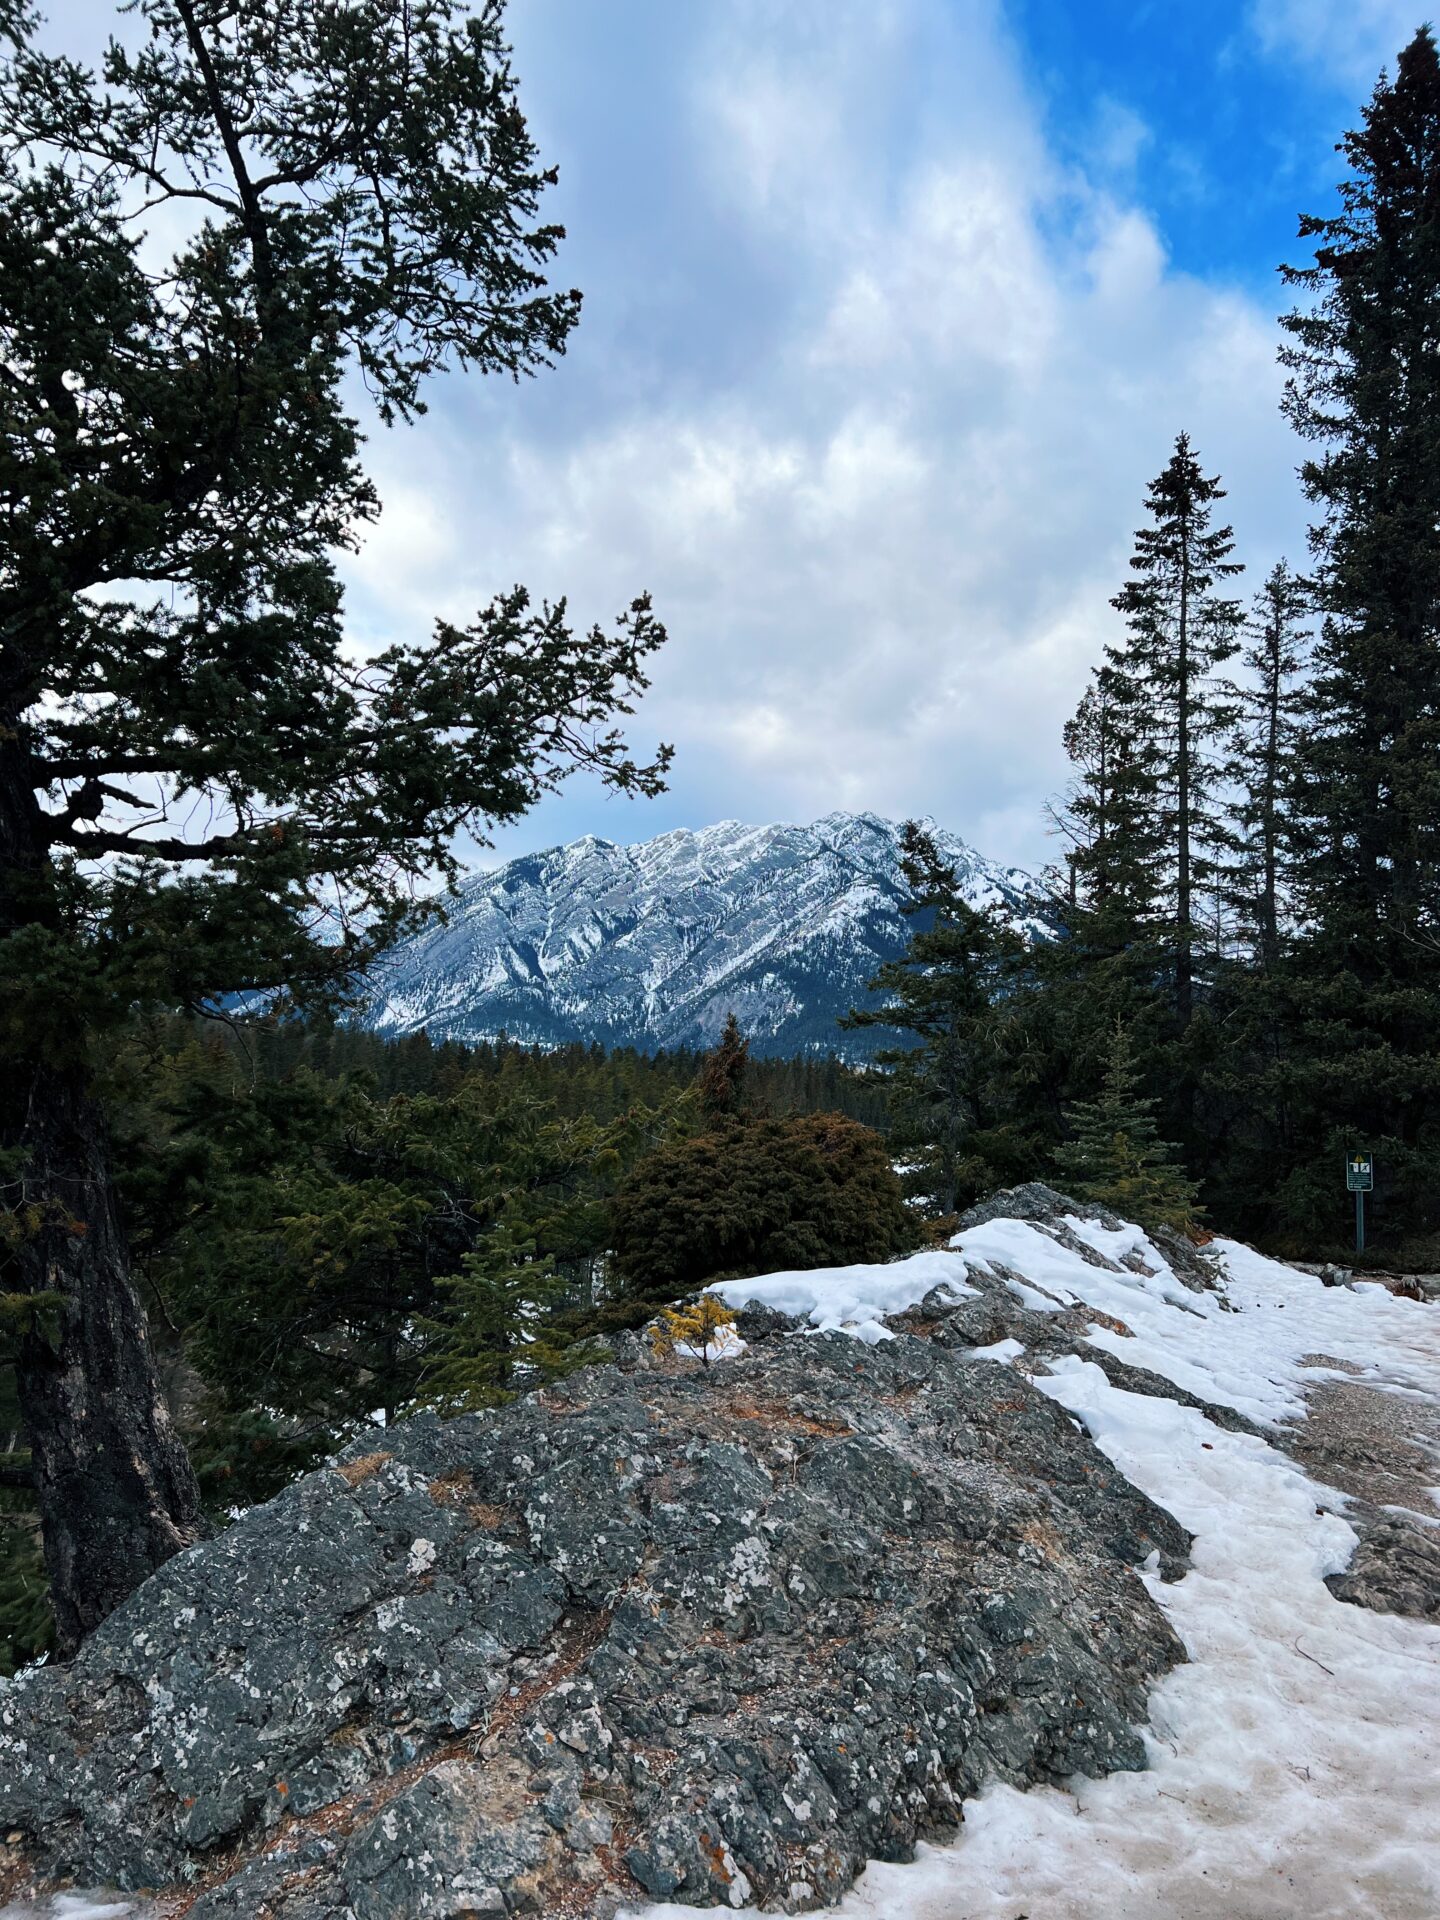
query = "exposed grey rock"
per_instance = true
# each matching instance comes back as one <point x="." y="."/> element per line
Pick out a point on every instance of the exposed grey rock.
<point x="1044" y="1205"/>
<point x="1049" y="1209"/>
<point x="1379" y="1448"/>
<point x="718" y="1637"/>
<point x="1395" y="1568"/>
<point x="756" y="1322"/>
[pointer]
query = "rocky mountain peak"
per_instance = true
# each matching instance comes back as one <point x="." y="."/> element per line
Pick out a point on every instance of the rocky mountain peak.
<point x="654" y="945"/>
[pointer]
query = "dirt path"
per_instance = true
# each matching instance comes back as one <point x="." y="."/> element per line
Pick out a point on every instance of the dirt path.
<point x="1377" y="1439"/>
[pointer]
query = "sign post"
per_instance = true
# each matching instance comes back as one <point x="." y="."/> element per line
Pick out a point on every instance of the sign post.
<point x="1359" y="1178"/>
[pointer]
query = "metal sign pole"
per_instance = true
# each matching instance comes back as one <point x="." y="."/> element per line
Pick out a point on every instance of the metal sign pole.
<point x="1359" y="1178"/>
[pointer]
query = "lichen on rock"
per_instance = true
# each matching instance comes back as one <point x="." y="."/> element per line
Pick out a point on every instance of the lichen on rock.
<point x="712" y="1637"/>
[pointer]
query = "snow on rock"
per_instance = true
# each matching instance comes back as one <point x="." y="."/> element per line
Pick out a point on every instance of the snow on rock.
<point x="773" y="1620"/>
<point x="77" y="1906"/>
<point x="854" y="1300"/>
<point x="1004" y="1350"/>
<point x="1295" y="1761"/>
<point x="659" y="1626"/>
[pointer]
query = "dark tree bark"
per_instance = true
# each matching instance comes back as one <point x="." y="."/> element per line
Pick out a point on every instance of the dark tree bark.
<point x="1184" y="707"/>
<point x="115" y="1489"/>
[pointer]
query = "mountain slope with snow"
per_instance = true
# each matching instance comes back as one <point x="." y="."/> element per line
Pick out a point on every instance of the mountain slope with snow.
<point x="654" y="945"/>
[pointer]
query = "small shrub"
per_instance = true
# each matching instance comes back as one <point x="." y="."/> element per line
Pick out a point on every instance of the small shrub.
<point x="703" y="1330"/>
<point x="757" y="1196"/>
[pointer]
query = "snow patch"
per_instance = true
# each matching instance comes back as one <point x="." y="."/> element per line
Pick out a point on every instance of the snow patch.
<point x="851" y="1300"/>
<point x="1002" y="1350"/>
<point x="1294" y="1758"/>
<point x="75" y="1906"/>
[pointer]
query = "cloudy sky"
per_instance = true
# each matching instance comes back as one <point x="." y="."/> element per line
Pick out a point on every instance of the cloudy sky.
<point x="892" y="307"/>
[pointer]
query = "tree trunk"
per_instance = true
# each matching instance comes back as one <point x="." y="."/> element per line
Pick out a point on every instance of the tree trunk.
<point x="116" y="1492"/>
<point x="1270" y="802"/>
<point x="115" y="1489"/>
<point x="1184" y="910"/>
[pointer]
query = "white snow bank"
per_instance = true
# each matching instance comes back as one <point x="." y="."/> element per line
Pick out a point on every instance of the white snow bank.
<point x="1242" y="1347"/>
<point x="76" y="1906"/>
<point x="1295" y="1759"/>
<point x="853" y="1299"/>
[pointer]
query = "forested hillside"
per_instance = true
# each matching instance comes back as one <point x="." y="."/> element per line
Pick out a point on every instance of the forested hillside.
<point x="330" y="1229"/>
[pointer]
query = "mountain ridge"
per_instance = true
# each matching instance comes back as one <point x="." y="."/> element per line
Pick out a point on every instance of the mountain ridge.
<point x="653" y="945"/>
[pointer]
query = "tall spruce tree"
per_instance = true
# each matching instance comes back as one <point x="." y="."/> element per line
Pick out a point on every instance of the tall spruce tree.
<point x="721" y="1080"/>
<point x="1110" y="961"/>
<point x="1363" y="354"/>
<point x="1268" y="709"/>
<point x="1181" y="629"/>
<point x="941" y="1085"/>
<point x="202" y="790"/>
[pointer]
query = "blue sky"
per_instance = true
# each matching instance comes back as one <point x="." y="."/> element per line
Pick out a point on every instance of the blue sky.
<point x="892" y="307"/>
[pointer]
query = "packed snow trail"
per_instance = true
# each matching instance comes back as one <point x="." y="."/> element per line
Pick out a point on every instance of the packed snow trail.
<point x="1296" y="1758"/>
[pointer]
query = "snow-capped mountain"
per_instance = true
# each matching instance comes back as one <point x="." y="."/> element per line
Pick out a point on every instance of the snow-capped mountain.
<point x="654" y="945"/>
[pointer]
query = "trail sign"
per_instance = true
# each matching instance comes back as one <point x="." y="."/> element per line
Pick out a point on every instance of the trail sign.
<point x="1359" y="1178"/>
<point x="1359" y="1172"/>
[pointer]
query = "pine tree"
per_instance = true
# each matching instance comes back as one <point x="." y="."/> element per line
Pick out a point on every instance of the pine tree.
<point x="1115" y="1155"/>
<point x="1109" y="817"/>
<point x="756" y="1196"/>
<point x="941" y="1088"/>
<point x="1268" y="734"/>
<point x="704" y="1330"/>
<point x="722" y="1078"/>
<point x="502" y="1333"/>
<point x="203" y="791"/>
<point x="1181" y="629"/>
<point x="1363" y="355"/>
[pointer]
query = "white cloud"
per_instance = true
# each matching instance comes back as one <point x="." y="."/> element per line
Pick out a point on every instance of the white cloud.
<point x="1349" y="40"/>
<point x="885" y="547"/>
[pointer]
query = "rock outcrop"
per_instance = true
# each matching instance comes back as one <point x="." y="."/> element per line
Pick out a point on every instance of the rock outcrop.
<point x="716" y="1637"/>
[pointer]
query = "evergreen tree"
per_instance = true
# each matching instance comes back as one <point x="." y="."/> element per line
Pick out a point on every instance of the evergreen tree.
<point x="705" y="1330"/>
<point x="1109" y="818"/>
<point x="1181" y="629"/>
<point x="1143" y="819"/>
<point x="1268" y="735"/>
<point x="1115" y="1155"/>
<point x="502" y="1333"/>
<point x="1363" y="355"/>
<point x="1109" y="958"/>
<point x="721" y="1085"/>
<point x="202" y="791"/>
<point x="941" y="1087"/>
